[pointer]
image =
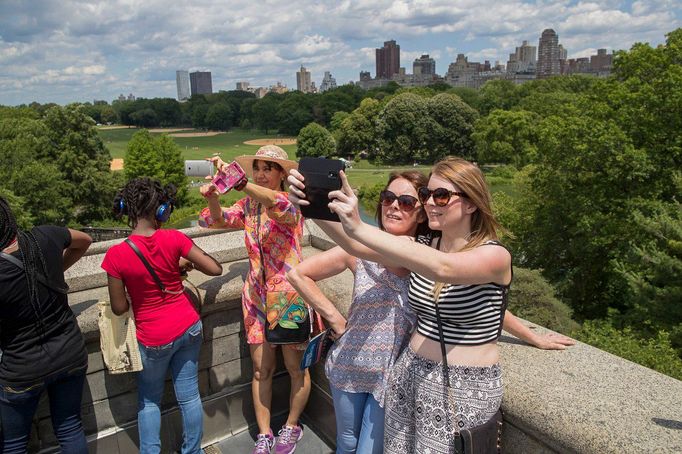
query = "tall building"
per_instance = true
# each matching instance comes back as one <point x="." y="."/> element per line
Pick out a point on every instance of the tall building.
<point x="201" y="83"/>
<point x="328" y="82"/>
<point x="563" y="53"/>
<point x="602" y="62"/>
<point x="182" y="81"/>
<point x="388" y="60"/>
<point x="548" y="55"/>
<point x="303" y="82"/>
<point x="523" y="60"/>
<point x="424" y="65"/>
<point x="243" y="86"/>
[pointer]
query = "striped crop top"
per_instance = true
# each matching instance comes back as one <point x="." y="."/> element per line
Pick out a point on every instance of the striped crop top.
<point x="470" y="314"/>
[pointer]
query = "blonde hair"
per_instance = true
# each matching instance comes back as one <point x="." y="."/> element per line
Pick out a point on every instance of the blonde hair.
<point x="468" y="178"/>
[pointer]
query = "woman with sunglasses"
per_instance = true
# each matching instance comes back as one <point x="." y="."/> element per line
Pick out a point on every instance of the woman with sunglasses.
<point x="352" y="430"/>
<point x="379" y="322"/>
<point x="459" y="281"/>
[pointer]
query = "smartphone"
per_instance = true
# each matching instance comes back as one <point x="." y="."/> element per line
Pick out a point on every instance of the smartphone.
<point x="199" y="168"/>
<point x="228" y="178"/>
<point x="321" y="177"/>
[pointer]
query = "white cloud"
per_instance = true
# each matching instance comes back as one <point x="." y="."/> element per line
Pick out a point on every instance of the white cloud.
<point x="106" y="47"/>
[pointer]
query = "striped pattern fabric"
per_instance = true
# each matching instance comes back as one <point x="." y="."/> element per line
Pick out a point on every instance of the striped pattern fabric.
<point x="471" y="314"/>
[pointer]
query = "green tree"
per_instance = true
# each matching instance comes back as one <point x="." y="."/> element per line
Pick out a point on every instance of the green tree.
<point x="508" y="137"/>
<point x="219" y="117"/>
<point x="454" y="120"/>
<point x="404" y="129"/>
<point x="357" y="132"/>
<point x="144" y="118"/>
<point x="653" y="271"/>
<point x="156" y="157"/>
<point x="315" y="141"/>
<point x="57" y="165"/>
<point x="265" y="112"/>
<point x="533" y="298"/>
<point x="498" y="94"/>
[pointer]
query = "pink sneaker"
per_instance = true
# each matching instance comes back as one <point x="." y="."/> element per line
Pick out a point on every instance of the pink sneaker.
<point x="264" y="443"/>
<point x="287" y="439"/>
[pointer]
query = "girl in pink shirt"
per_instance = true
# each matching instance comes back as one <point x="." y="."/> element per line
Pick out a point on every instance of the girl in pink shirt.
<point x="169" y="330"/>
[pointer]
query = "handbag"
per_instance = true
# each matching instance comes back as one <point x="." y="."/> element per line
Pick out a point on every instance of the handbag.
<point x="288" y="319"/>
<point x="483" y="439"/>
<point x="192" y="292"/>
<point x="118" y="340"/>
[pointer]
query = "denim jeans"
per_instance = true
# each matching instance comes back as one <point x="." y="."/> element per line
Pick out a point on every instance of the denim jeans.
<point x="182" y="356"/>
<point x="359" y="423"/>
<point x="17" y="407"/>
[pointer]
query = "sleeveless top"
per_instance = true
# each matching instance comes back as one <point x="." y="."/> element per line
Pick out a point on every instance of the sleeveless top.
<point x="470" y="314"/>
<point x="379" y="326"/>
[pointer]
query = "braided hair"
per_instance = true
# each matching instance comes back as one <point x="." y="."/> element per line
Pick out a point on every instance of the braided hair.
<point x="141" y="198"/>
<point x="31" y="255"/>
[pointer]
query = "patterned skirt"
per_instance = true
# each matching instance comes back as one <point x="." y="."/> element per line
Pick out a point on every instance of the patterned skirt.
<point x="418" y="419"/>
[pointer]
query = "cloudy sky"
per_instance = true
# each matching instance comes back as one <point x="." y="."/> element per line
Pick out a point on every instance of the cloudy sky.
<point x="79" y="50"/>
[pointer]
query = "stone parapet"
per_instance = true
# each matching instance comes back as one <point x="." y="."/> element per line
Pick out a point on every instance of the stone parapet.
<point x="581" y="400"/>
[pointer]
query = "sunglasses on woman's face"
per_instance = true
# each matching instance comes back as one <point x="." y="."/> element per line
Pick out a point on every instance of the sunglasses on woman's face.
<point x="405" y="202"/>
<point x="441" y="196"/>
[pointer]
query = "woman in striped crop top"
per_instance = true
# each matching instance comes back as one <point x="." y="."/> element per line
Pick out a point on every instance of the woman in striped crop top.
<point x="463" y="269"/>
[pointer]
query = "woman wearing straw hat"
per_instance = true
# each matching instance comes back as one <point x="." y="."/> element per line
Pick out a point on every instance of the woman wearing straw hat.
<point x="275" y="226"/>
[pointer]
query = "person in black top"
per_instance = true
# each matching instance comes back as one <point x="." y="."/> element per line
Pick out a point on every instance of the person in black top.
<point x="42" y="346"/>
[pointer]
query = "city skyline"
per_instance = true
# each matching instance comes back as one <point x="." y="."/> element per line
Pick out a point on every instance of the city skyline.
<point x="74" y="52"/>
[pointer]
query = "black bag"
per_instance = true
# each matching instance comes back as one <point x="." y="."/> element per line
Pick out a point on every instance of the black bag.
<point x="288" y="319"/>
<point x="483" y="439"/>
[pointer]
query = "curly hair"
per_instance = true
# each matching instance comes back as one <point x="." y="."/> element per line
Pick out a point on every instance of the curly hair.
<point x="141" y="198"/>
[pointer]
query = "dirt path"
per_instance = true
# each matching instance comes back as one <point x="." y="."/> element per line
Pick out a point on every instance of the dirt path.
<point x="116" y="164"/>
<point x="196" y="134"/>
<point x="285" y="141"/>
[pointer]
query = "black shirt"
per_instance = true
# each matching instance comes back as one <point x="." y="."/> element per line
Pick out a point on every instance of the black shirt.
<point x="29" y="356"/>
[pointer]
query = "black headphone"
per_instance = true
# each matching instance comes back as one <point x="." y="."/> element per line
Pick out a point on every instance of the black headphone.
<point x="163" y="212"/>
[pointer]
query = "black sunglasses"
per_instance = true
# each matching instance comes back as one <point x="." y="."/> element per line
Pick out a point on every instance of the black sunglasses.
<point x="405" y="202"/>
<point x="441" y="196"/>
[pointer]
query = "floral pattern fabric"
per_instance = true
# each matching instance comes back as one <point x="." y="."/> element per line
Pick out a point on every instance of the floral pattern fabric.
<point x="278" y="230"/>
<point x="379" y="325"/>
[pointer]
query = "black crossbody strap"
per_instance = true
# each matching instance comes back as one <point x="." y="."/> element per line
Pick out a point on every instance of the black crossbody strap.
<point x="42" y="279"/>
<point x="146" y="264"/>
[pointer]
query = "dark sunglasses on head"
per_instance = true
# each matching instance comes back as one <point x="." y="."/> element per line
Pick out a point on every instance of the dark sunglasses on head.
<point x="441" y="196"/>
<point x="405" y="202"/>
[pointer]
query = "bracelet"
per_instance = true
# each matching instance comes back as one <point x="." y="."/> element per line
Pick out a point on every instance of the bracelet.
<point x="241" y="185"/>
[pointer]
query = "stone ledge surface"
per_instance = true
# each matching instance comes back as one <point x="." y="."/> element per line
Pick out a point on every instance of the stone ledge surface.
<point x="582" y="400"/>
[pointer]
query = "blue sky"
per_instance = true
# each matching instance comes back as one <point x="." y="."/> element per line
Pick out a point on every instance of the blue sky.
<point x="78" y="50"/>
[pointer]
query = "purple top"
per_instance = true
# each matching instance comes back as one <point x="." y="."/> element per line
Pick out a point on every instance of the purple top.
<point x="379" y="325"/>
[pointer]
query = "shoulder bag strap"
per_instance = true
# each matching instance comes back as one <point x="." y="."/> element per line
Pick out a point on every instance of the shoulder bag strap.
<point x="146" y="264"/>
<point x="42" y="279"/>
<point x="449" y="398"/>
<point x="260" y="247"/>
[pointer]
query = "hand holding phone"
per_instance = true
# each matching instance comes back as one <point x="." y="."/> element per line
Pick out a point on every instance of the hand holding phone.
<point x="228" y="177"/>
<point x="321" y="176"/>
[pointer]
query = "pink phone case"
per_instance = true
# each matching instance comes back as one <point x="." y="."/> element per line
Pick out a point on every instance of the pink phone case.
<point x="227" y="179"/>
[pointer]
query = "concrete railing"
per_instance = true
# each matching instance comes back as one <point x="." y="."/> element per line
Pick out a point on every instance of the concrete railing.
<point x="581" y="400"/>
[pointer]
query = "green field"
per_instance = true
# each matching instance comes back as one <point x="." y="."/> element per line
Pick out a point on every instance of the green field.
<point x="229" y="144"/>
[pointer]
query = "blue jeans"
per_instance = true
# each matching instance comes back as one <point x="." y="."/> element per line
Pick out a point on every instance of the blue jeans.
<point x="359" y="423"/>
<point x="17" y="407"/>
<point x="182" y="355"/>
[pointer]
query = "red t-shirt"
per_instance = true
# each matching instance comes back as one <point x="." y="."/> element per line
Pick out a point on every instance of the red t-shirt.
<point x="160" y="317"/>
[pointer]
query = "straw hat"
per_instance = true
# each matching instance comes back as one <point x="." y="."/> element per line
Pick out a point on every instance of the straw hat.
<point x="270" y="153"/>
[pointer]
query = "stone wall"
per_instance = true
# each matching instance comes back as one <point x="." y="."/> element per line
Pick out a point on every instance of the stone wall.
<point x="581" y="400"/>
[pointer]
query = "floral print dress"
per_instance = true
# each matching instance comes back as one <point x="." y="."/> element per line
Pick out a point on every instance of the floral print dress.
<point x="278" y="230"/>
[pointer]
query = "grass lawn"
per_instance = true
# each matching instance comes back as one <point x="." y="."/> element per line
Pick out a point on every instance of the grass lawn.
<point x="229" y="144"/>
